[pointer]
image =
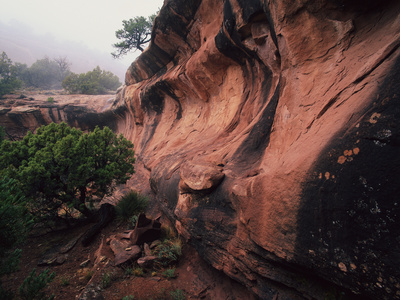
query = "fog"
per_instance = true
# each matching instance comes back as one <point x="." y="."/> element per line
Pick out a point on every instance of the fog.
<point x="82" y="31"/>
<point x="22" y="45"/>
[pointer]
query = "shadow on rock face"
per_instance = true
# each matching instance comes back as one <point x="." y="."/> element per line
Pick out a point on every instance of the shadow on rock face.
<point x="146" y="230"/>
<point x="348" y="222"/>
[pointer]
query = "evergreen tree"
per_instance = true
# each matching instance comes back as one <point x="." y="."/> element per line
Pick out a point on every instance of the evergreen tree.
<point x="134" y="35"/>
<point x="62" y="168"/>
<point x="8" y="76"/>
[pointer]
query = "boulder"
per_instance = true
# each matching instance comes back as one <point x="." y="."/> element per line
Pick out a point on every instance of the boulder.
<point x="200" y="177"/>
<point x="146" y="230"/>
<point x="124" y="251"/>
<point x="126" y="246"/>
<point x="146" y="261"/>
<point x="146" y="249"/>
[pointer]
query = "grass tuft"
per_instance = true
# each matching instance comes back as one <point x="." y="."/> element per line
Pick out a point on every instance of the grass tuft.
<point x="130" y="205"/>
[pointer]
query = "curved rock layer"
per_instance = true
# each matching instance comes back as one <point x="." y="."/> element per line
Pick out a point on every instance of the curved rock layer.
<point x="18" y="115"/>
<point x="269" y="130"/>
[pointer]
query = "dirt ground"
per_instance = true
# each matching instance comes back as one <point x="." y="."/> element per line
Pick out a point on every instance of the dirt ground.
<point x="193" y="277"/>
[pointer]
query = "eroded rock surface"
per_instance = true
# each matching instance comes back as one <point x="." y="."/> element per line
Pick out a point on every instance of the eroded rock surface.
<point x="20" y="113"/>
<point x="297" y="102"/>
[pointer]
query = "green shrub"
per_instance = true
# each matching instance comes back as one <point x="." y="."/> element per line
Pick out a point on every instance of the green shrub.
<point x="178" y="294"/>
<point x="8" y="77"/>
<point x="133" y="220"/>
<point x="50" y="100"/>
<point x="137" y="272"/>
<point x="92" y="83"/>
<point x="33" y="285"/>
<point x="169" y="273"/>
<point x="129" y="297"/>
<point x="15" y="222"/>
<point x="63" y="168"/>
<point x="2" y="134"/>
<point x="128" y="271"/>
<point x="169" y="251"/>
<point x="131" y="205"/>
<point x="9" y="263"/>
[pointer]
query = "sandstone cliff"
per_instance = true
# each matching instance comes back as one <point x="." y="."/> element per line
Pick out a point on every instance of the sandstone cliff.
<point x="22" y="113"/>
<point x="269" y="132"/>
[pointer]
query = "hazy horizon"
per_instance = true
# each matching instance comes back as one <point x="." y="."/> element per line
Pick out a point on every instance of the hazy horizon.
<point x="79" y="31"/>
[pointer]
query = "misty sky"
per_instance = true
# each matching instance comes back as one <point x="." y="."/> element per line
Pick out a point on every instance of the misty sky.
<point x="81" y="30"/>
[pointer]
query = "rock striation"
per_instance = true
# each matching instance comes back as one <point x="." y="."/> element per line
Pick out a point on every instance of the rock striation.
<point x="268" y="131"/>
<point x="20" y="114"/>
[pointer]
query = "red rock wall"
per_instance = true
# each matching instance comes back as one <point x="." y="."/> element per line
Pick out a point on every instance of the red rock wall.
<point x="269" y="131"/>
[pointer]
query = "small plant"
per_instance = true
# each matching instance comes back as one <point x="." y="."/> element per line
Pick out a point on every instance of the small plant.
<point x="137" y="272"/>
<point x="178" y="294"/>
<point x="2" y="134"/>
<point x="130" y="205"/>
<point x="133" y="220"/>
<point x="169" y="251"/>
<point x="106" y="280"/>
<point x="129" y="297"/>
<point x="10" y="263"/>
<point x="169" y="273"/>
<point x="50" y="100"/>
<point x="15" y="222"/>
<point x="64" y="281"/>
<point x="128" y="271"/>
<point x="33" y="285"/>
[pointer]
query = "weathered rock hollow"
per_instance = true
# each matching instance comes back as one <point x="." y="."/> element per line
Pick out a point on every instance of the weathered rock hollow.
<point x="268" y="131"/>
